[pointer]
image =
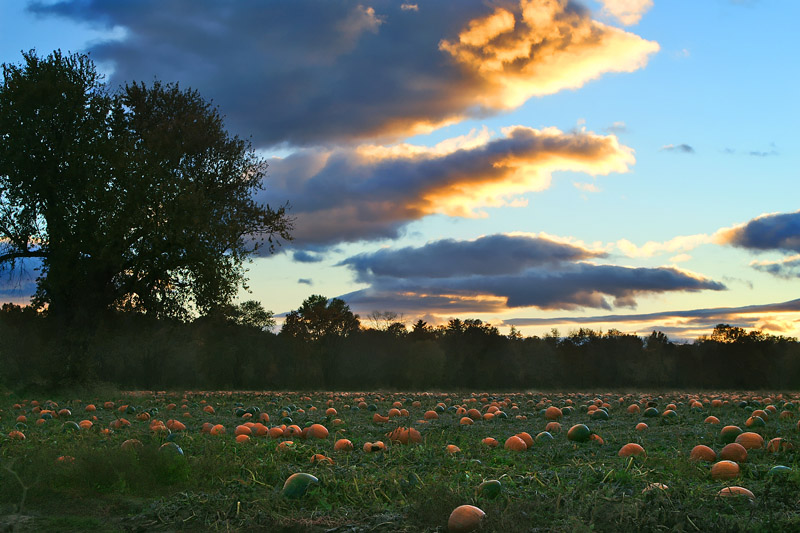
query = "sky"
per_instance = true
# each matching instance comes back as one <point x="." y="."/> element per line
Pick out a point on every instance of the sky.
<point x="612" y="164"/>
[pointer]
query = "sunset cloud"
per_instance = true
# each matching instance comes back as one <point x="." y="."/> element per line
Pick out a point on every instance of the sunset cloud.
<point x="773" y="231"/>
<point x="371" y="192"/>
<point x="627" y="11"/>
<point x="454" y="276"/>
<point x="681" y="243"/>
<point x="777" y="318"/>
<point x="788" y="268"/>
<point x="314" y="72"/>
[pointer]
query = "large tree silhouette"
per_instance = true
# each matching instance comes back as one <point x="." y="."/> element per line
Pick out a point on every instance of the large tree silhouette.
<point x="137" y="199"/>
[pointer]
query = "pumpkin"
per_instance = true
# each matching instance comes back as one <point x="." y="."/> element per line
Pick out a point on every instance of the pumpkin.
<point x="729" y="433"/>
<point x="464" y="519"/>
<point x="490" y="488"/>
<point x="724" y="470"/>
<point x="242" y="438"/>
<point x="634" y="409"/>
<point x="377" y="446"/>
<point x="641" y="426"/>
<point x="702" y="453"/>
<point x="297" y="484"/>
<point x="452" y="448"/>
<point x="750" y="440"/>
<point x="431" y="415"/>
<point x="318" y="431"/>
<point x="579" y="433"/>
<point x="631" y="449"/>
<point x="711" y="420"/>
<point x="491" y="442"/>
<point x="242" y="430"/>
<point x="379" y="418"/>
<point x="779" y="444"/>
<point x="218" y="429"/>
<point x="474" y="414"/>
<point x="132" y="445"/>
<point x="544" y="436"/>
<point x="16" y="435"/>
<point x="734" y="452"/>
<point x="525" y="436"/>
<point x="736" y="491"/>
<point x="553" y="413"/>
<point x="285" y="446"/>
<point x="466" y="421"/>
<point x="321" y="459"/>
<point x="516" y="444"/>
<point x="275" y="432"/>
<point x="343" y="445"/>
<point x="404" y="435"/>
<point x="553" y="427"/>
<point x="292" y="431"/>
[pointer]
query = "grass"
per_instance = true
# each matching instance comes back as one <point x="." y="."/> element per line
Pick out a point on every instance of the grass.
<point x="218" y="484"/>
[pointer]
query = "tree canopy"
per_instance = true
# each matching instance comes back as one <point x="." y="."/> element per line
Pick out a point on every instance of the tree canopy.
<point x="137" y="199"/>
<point x="319" y="318"/>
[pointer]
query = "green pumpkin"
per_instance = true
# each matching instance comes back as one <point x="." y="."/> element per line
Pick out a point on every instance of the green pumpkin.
<point x="490" y="489"/>
<point x="297" y="484"/>
<point x="579" y="433"/>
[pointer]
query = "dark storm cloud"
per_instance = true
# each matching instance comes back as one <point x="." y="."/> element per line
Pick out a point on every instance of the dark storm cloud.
<point x="778" y="231"/>
<point x="373" y="192"/>
<point x="319" y="72"/>
<point x="485" y="256"/>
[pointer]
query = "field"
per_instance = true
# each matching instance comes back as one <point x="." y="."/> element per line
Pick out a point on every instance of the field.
<point x="144" y="461"/>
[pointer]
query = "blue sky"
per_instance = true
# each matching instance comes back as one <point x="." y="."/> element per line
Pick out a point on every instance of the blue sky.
<point x="615" y="164"/>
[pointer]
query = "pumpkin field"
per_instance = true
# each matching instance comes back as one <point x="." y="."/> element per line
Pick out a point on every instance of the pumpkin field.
<point x="401" y="461"/>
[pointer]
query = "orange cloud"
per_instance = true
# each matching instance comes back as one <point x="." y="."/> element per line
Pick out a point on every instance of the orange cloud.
<point x="540" y="48"/>
<point x="627" y="11"/>
<point x="368" y="192"/>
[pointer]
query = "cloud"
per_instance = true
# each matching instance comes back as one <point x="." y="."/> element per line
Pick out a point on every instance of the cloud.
<point x="617" y="128"/>
<point x="303" y="256"/>
<point x="788" y="268"/>
<point x="775" y="317"/>
<point x="372" y="192"/>
<point x="486" y="256"/>
<point x="681" y="243"/>
<point x="456" y="276"/>
<point x="315" y="72"/>
<point x="773" y="231"/>
<point x="627" y="11"/>
<point x="585" y="187"/>
<point x="305" y="281"/>
<point x="682" y="148"/>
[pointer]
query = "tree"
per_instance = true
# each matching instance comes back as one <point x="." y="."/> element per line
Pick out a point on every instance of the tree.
<point x="319" y="318"/>
<point x="135" y="200"/>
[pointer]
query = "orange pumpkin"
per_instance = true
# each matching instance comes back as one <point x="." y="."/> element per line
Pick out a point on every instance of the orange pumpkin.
<point x="724" y="470"/>
<point x="516" y="444"/>
<point x="491" y="442"/>
<point x="750" y="440"/>
<point x="464" y="519"/>
<point x="736" y="491"/>
<point x="702" y="453"/>
<point x="734" y="452"/>
<point x="318" y="431"/>
<point x="632" y="449"/>
<point x="778" y="444"/>
<point x="343" y="445"/>
<point x="525" y="436"/>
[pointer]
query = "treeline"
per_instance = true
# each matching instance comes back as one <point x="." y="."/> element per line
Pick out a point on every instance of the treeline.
<point x="136" y="351"/>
